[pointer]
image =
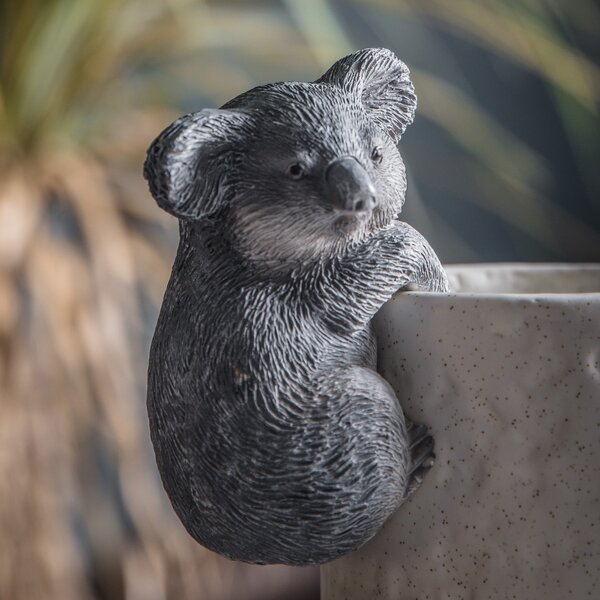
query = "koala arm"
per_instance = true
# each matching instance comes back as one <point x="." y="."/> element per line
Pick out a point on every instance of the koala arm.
<point x="361" y="281"/>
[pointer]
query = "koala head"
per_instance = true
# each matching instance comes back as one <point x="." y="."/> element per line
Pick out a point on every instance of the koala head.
<point x="293" y="171"/>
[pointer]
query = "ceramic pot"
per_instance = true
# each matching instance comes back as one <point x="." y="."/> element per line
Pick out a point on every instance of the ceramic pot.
<point x="506" y="372"/>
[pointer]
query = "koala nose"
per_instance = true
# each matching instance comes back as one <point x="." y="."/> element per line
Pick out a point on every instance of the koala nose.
<point x="348" y="185"/>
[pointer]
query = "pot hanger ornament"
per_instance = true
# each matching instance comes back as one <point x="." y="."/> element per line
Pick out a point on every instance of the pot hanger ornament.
<point x="276" y="439"/>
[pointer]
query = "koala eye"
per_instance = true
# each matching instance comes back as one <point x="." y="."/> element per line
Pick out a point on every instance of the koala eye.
<point x="376" y="155"/>
<point x="296" y="170"/>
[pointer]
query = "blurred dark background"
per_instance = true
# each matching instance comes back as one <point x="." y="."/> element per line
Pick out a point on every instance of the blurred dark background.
<point x="503" y="166"/>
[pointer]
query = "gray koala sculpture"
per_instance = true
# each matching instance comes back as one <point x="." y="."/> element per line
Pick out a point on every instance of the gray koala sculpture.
<point x="276" y="439"/>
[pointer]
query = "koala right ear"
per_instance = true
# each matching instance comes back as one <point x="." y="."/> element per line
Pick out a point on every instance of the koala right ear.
<point x="381" y="83"/>
<point x="180" y="160"/>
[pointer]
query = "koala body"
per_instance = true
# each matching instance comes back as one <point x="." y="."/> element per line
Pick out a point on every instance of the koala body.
<point x="276" y="440"/>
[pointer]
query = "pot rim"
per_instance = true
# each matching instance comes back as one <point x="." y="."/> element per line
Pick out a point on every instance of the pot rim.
<point x="518" y="268"/>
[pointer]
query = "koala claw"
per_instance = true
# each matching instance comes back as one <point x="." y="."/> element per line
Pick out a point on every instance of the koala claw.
<point x="412" y="287"/>
<point x="421" y="445"/>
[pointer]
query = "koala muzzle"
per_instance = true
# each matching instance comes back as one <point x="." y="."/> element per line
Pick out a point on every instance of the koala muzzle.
<point x="348" y="185"/>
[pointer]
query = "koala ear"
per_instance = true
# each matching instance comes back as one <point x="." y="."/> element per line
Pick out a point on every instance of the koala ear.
<point x="381" y="83"/>
<point x="185" y="163"/>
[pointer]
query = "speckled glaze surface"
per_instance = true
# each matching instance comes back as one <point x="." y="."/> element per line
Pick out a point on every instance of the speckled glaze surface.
<point x="509" y="384"/>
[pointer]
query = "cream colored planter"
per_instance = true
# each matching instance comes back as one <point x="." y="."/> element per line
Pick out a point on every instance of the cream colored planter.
<point x="509" y="384"/>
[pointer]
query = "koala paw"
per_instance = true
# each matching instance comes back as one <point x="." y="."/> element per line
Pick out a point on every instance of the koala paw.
<point x="422" y="457"/>
<point x="413" y="287"/>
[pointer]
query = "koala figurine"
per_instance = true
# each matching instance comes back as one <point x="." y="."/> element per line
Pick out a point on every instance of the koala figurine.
<point x="276" y="439"/>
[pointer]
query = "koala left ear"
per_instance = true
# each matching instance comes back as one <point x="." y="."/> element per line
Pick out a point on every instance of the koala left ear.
<point x="186" y="162"/>
<point x="382" y="84"/>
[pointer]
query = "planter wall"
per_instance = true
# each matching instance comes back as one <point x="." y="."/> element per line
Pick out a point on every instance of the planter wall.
<point x="510" y="387"/>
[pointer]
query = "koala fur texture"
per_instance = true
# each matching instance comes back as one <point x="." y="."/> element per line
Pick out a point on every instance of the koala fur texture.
<point x="276" y="439"/>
